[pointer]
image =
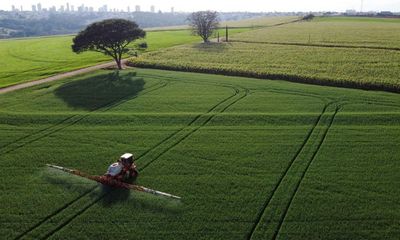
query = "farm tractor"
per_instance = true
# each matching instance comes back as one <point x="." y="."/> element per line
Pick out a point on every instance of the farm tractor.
<point x="120" y="174"/>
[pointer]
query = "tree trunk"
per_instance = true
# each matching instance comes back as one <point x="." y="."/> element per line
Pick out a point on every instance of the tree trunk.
<point x="118" y="61"/>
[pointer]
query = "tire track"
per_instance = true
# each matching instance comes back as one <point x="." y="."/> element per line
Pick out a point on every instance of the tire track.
<point x="284" y="181"/>
<point x="54" y="213"/>
<point x="261" y="213"/>
<point x="106" y="108"/>
<point x="305" y="171"/>
<point x="163" y="152"/>
<point x="66" y="206"/>
<point x="62" y="124"/>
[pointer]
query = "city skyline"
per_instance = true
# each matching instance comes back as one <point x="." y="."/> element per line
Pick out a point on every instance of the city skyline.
<point x="221" y="5"/>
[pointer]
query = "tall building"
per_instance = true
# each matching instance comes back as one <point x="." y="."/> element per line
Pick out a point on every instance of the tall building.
<point x="61" y="9"/>
<point x="68" y="9"/>
<point x="103" y="8"/>
<point x="21" y="8"/>
<point x="13" y="8"/>
<point x="128" y="9"/>
<point x="152" y="9"/>
<point x="81" y="8"/>
<point x="137" y="8"/>
<point x="39" y="7"/>
<point x="172" y="10"/>
<point x="33" y="8"/>
<point x="72" y="8"/>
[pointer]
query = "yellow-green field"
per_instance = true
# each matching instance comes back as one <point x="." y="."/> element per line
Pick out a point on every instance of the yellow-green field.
<point x="346" y="52"/>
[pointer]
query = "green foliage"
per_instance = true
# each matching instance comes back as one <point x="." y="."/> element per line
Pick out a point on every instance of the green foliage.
<point x="110" y="37"/>
<point x="318" y="161"/>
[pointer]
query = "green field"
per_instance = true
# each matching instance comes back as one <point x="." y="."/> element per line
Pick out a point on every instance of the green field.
<point x="349" y="54"/>
<point x="24" y="60"/>
<point x="252" y="159"/>
<point x="358" y="19"/>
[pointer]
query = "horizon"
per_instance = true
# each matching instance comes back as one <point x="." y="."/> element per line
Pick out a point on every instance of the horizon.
<point x="221" y="5"/>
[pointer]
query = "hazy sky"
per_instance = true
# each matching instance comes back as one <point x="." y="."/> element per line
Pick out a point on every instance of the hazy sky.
<point x="221" y="5"/>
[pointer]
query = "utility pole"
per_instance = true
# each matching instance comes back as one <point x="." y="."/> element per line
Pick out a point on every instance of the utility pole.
<point x="226" y="34"/>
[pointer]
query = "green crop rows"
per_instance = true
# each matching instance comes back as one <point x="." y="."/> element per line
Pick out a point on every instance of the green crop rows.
<point x="360" y="54"/>
<point x="24" y="60"/>
<point x="251" y="159"/>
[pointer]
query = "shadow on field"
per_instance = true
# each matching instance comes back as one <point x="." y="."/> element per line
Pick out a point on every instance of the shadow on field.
<point x="135" y="200"/>
<point x="101" y="90"/>
<point x="113" y="195"/>
<point x="211" y="47"/>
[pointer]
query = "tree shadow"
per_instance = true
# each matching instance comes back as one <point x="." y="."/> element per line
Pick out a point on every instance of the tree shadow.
<point x="212" y="47"/>
<point x="99" y="91"/>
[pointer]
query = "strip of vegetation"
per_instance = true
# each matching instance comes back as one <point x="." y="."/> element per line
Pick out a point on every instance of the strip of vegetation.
<point x="270" y="76"/>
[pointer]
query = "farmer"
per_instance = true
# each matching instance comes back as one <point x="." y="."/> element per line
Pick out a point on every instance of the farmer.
<point x="124" y="170"/>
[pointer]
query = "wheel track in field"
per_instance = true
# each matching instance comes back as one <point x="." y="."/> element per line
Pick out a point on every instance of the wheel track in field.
<point x="305" y="172"/>
<point x="74" y="120"/>
<point x="237" y="92"/>
<point x="107" y="107"/>
<point x="284" y="183"/>
<point x="92" y="189"/>
<point x="261" y="213"/>
<point x="87" y="206"/>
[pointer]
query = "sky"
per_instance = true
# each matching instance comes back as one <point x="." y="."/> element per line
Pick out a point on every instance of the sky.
<point x="221" y="5"/>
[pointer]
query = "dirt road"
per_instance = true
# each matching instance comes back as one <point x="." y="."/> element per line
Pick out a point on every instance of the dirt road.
<point x="59" y="76"/>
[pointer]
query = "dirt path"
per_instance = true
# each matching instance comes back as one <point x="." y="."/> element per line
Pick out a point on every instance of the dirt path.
<point x="59" y="76"/>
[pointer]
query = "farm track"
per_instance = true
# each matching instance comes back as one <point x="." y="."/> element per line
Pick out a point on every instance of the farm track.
<point x="59" y="76"/>
<point x="34" y="232"/>
<point x="319" y="45"/>
<point x="275" y="208"/>
<point x="70" y="121"/>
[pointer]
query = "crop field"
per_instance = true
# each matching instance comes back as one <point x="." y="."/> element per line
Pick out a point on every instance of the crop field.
<point x="251" y="159"/>
<point x="24" y="60"/>
<point x="360" y="54"/>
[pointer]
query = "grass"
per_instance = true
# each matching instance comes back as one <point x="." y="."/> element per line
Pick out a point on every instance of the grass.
<point x="251" y="158"/>
<point x="24" y="60"/>
<point x="358" y="19"/>
<point x="348" y="54"/>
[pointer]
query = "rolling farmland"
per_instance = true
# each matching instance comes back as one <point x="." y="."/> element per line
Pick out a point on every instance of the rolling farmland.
<point x="252" y="159"/>
<point x="24" y="60"/>
<point x="357" y="54"/>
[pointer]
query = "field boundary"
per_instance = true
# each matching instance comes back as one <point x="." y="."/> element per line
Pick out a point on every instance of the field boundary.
<point x="270" y="76"/>
<point x="318" y="45"/>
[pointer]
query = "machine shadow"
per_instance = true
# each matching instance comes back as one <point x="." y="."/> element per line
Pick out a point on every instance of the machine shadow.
<point x="99" y="91"/>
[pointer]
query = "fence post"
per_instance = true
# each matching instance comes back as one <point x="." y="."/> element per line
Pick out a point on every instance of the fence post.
<point x="226" y="34"/>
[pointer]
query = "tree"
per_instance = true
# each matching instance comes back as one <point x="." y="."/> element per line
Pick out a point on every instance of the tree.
<point x="110" y="37"/>
<point x="203" y="23"/>
<point x="309" y="17"/>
